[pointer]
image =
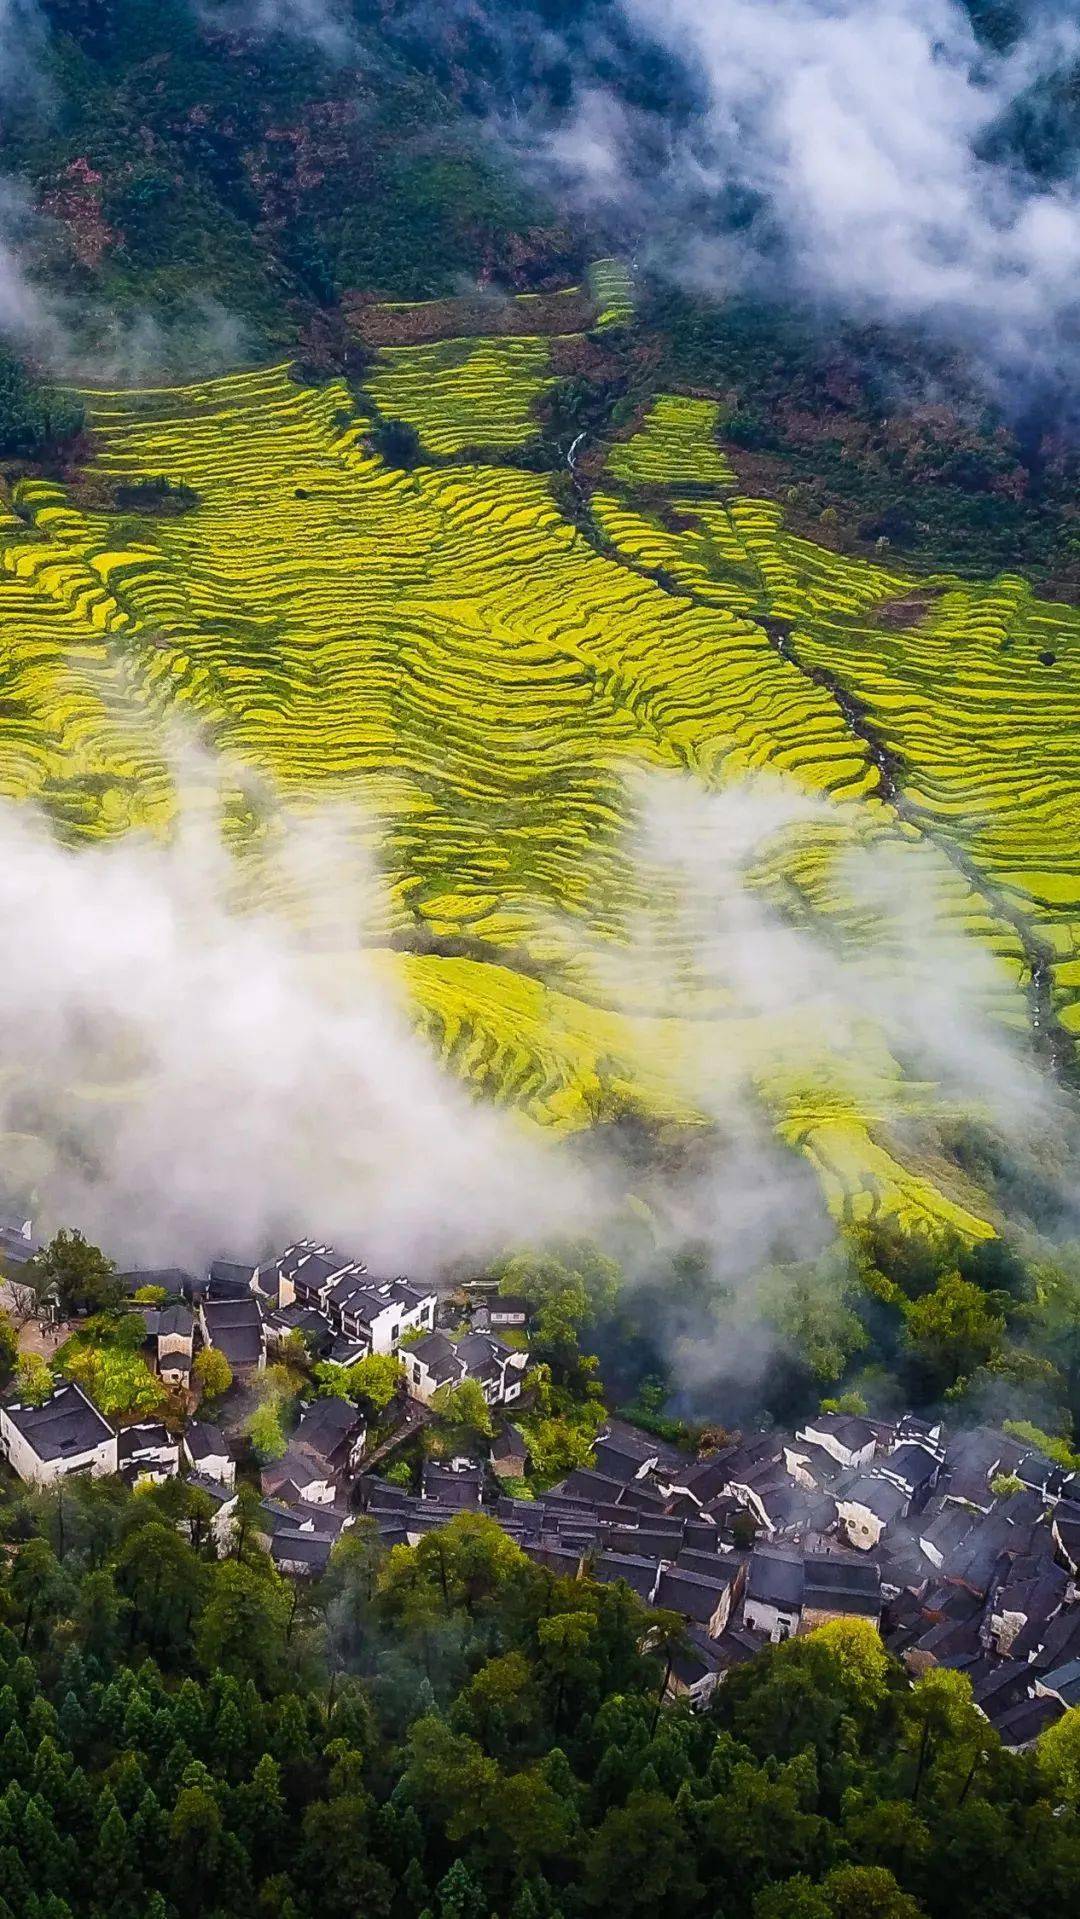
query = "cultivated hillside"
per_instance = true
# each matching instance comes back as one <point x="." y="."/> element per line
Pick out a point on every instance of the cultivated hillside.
<point x="484" y="660"/>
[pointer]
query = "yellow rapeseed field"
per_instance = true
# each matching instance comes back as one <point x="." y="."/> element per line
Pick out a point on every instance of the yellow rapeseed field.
<point x="444" y="651"/>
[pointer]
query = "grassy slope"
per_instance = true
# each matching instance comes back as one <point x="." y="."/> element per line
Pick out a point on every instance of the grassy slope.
<point x="446" y="649"/>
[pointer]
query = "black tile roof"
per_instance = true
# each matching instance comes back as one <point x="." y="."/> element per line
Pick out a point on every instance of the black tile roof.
<point x="639" y="1573"/>
<point x="67" y="1424"/>
<point x="776" y="1576"/>
<point x="849" y="1583"/>
<point x="204" y="1441"/>
<point x="328" y="1426"/>
<point x="694" y="1594"/>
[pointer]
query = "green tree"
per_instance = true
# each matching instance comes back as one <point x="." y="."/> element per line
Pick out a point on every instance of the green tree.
<point x="244" y="1625"/>
<point x="639" y="1861"/>
<point x="34" y="1382"/>
<point x="867" y="1892"/>
<point x="98" y="1614"/>
<point x="463" y="1415"/>
<point x="164" y="1583"/>
<point x="9" y="1346"/>
<point x="1058" y="1757"/>
<point x="39" y="1587"/>
<point x="376" y="1381"/>
<point x="118" y="1381"/>
<point x="84" y="1279"/>
<point x="213" y="1372"/>
<point x="953" y="1331"/>
<point x="265" y="1431"/>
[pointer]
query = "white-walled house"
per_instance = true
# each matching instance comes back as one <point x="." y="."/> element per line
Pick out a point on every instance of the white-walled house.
<point x="774" y="1591"/>
<point x="377" y="1312"/>
<point x="866" y="1506"/>
<point x="147" y="1450"/>
<point x="207" y="1453"/>
<point x="64" y="1436"/>
<point x="438" y="1361"/>
<point x="851" y="1441"/>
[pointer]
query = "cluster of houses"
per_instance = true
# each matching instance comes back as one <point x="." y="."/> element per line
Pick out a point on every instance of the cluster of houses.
<point x="246" y="1312"/>
<point x="963" y="1550"/>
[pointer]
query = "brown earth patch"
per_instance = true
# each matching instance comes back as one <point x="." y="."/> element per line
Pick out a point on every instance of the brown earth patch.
<point x="470" y="316"/>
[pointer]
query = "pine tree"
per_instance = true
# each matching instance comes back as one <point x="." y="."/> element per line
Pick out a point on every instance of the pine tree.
<point x="41" y="1850"/>
<point x="177" y="1761"/>
<point x="229" y="1740"/>
<point x="128" y="1783"/>
<point x="415" y="1885"/>
<point x="189" y="1715"/>
<point x="73" y="1673"/>
<point x="459" y="1895"/>
<point x="149" y="1831"/>
<point x="72" y="1722"/>
<point x="50" y="1773"/>
<point x="41" y="1722"/>
<point x="14" y="1756"/>
<point x="138" y="1720"/>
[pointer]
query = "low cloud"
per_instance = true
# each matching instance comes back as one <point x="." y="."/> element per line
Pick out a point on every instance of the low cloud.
<point x="838" y="152"/>
<point x="216" y="1061"/>
<point x="326" y="25"/>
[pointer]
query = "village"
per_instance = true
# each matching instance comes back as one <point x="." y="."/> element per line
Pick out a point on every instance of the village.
<point x="962" y="1548"/>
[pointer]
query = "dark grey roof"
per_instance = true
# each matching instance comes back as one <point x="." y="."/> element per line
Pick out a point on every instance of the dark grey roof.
<point x="459" y="1489"/>
<point x="173" y="1279"/>
<point x="998" y="1683"/>
<point x="67" y="1424"/>
<point x="736" y="1644"/>
<point x="776" y="1576"/>
<point x="843" y="1583"/>
<point x="879" y="1496"/>
<point x="723" y="1566"/>
<point x="15" y="1245"/>
<point x="615" y="1461"/>
<point x="1059" y="1640"/>
<point x="212" y="1487"/>
<point x="694" y="1594"/>
<point x="345" y="1350"/>
<point x="173" y="1320"/>
<point x="650" y="1541"/>
<point x="286" y="1477"/>
<point x="564" y="1560"/>
<point x="1025" y="1721"/>
<point x="639" y="1574"/>
<point x="365" y="1297"/>
<point x="436" y="1352"/>
<point x="228" y="1277"/>
<point x="482" y="1350"/>
<point x="235" y="1327"/>
<point x="149" y="1435"/>
<point x="1064" y="1681"/>
<point x="639" y="1493"/>
<point x="328" y="1426"/>
<point x="912" y="1463"/>
<point x="205" y="1441"/>
<point x="310" y="1550"/>
<point x="589" y="1486"/>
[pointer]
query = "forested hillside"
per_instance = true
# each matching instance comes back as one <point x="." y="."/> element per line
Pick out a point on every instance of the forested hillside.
<point x="198" y="186"/>
<point x="454" y="1731"/>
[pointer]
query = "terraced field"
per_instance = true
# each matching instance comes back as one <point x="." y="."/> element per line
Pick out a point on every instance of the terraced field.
<point x="459" y="389"/>
<point x="488" y="684"/>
